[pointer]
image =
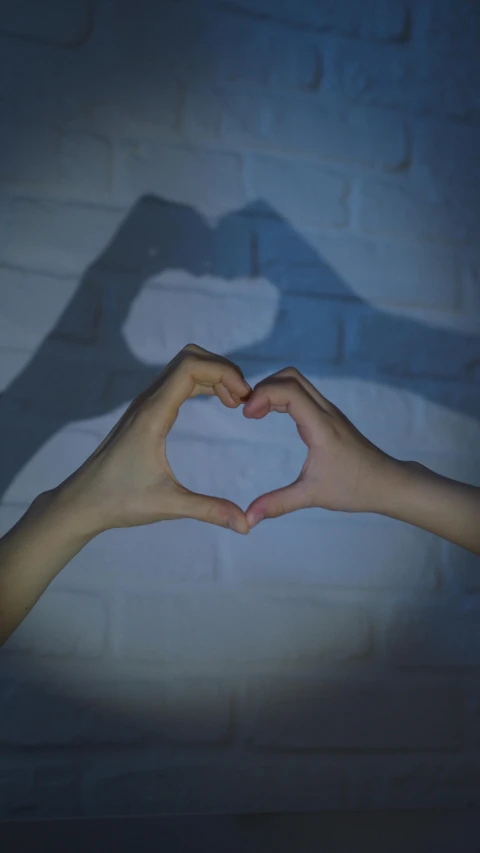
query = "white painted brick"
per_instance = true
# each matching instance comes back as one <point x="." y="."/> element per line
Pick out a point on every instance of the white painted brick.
<point x="29" y="153"/>
<point x="30" y="305"/>
<point x="381" y="339"/>
<point x="15" y="786"/>
<point x="252" y="468"/>
<point x="151" y="556"/>
<point x="406" y="209"/>
<point x="311" y="714"/>
<point x="446" y="153"/>
<point x="214" y="314"/>
<point x="59" y="719"/>
<point x="159" y="326"/>
<point x="117" y="711"/>
<point x="338" y="552"/>
<point x="436" y="783"/>
<point x="46" y="235"/>
<point x="373" y="20"/>
<point x="434" y="636"/>
<point x="119" y="786"/>
<point x="238" y="50"/>
<point x="56" y="460"/>
<point x="211" y="182"/>
<point x="304" y="193"/>
<point x="86" y="165"/>
<point x="66" y="25"/>
<point x="354" y="136"/>
<point x="401" y="76"/>
<point x="442" y="431"/>
<point x="208" y="631"/>
<point x="390" y="272"/>
<point x="295" y="786"/>
<point x="62" y="624"/>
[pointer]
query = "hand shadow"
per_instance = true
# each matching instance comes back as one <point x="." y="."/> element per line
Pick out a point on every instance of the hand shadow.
<point x="84" y="368"/>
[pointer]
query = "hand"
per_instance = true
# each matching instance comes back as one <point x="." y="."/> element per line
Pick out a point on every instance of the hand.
<point x="128" y="481"/>
<point x="343" y="469"/>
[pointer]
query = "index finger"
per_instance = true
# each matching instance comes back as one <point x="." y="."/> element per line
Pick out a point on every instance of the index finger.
<point x="282" y="394"/>
<point x="197" y="371"/>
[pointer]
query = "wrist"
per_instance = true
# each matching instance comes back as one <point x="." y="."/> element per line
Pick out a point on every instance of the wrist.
<point x="400" y="483"/>
<point x="64" y="507"/>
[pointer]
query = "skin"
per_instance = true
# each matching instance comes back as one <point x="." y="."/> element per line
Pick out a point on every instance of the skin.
<point x="345" y="471"/>
<point x="128" y="481"/>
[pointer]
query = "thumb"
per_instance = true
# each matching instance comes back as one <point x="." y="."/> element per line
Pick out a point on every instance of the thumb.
<point x="276" y="503"/>
<point x="214" y="511"/>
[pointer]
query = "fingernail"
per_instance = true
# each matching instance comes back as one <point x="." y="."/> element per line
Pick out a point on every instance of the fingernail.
<point x="254" y="519"/>
<point x="235" y="524"/>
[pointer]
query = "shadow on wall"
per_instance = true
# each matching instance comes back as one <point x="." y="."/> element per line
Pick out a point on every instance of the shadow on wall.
<point x="86" y="351"/>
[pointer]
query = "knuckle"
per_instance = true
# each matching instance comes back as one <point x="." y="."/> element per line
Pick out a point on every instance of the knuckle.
<point x="290" y="372"/>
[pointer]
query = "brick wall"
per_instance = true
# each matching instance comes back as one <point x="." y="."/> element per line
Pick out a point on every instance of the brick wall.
<point x="284" y="183"/>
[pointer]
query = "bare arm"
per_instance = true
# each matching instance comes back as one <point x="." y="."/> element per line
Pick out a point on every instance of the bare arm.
<point x="126" y="482"/>
<point x="345" y="471"/>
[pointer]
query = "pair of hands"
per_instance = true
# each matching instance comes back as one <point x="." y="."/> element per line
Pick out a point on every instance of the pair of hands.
<point x="128" y="481"/>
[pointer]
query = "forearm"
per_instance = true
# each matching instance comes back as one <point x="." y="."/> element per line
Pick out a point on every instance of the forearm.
<point x="32" y="553"/>
<point x="445" y="507"/>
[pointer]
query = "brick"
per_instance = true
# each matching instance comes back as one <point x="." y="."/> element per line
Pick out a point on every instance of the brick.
<point x="406" y="209"/>
<point x="212" y="46"/>
<point x="137" y="786"/>
<point x="374" y="20"/>
<point x="29" y="152"/>
<point x="357" y="136"/>
<point x="53" y="462"/>
<point x="330" y="130"/>
<point x="62" y="624"/>
<point x="264" y="787"/>
<point x="86" y="165"/>
<point x="58" y="24"/>
<point x="447" y="783"/>
<point x="380" y="339"/>
<point x="208" y="631"/>
<point x="443" y="429"/>
<point x="301" y="714"/>
<point x="232" y="50"/>
<point x="31" y="304"/>
<point x="148" y="556"/>
<point x="208" y="181"/>
<point x="339" y="553"/>
<point x="447" y="154"/>
<point x="260" y="335"/>
<point x="15" y="787"/>
<point x="59" y="720"/>
<point x="400" y="76"/>
<point x="46" y="235"/>
<point x="235" y="325"/>
<point x="201" y="466"/>
<point x="302" y="192"/>
<point x="434" y="636"/>
<point x="350" y="266"/>
<point x="118" y="711"/>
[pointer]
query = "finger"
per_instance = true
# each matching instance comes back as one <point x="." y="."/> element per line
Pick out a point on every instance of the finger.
<point x="282" y="395"/>
<point x="192" y="373"/>
<point x="293" y="373"/>
<point x="276" y="503"/>
<point x="214" y="511"/>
